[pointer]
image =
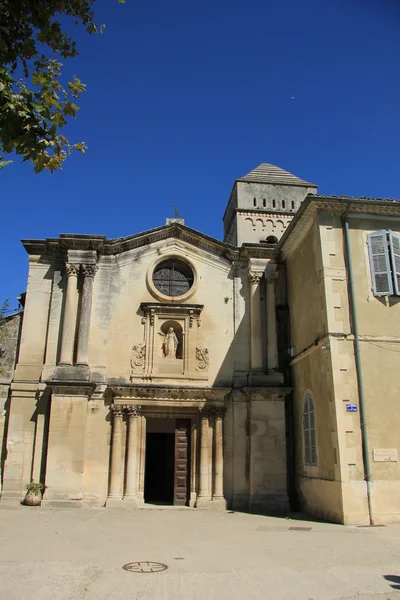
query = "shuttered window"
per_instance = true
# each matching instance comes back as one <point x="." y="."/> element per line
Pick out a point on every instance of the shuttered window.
<point x="380" y="263"/>
<point x="310" y="444"/>
<point x="395" y="256"/>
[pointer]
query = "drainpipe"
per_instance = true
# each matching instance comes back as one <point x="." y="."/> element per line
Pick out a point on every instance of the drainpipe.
<point x="360" y="386"/>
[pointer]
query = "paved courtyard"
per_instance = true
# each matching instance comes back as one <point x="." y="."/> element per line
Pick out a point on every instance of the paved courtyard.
<point x="79" y="554"/>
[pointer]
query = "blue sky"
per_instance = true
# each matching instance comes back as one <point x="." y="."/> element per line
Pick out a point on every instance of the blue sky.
<point x="183" y="98"/>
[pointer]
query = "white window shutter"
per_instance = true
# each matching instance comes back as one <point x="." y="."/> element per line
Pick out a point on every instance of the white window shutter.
<point x="395" y="253"/>
<point x="380" y="264"/>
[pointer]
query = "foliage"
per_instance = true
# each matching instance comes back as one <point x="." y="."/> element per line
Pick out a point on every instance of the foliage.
<point x="35" y="108"/>
<point x="3" y="310"/>
<point x="34" y="488"/>
<point x="4" y="163"/>
<point x="3" y="332"/>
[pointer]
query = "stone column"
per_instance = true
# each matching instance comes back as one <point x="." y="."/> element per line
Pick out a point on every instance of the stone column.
<point x="70" y="311"/>
<point x="255" y="321"/>
<point x="131" y="480"/>
<point x="218" y="495"/>
<point x="204" y="497"/>
<point x="272" y="340"/>
<point x="116" y="450"/>
<point x="89" y="272"/>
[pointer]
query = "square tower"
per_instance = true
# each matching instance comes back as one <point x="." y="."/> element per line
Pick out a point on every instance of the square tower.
<point x="262" y="204"/>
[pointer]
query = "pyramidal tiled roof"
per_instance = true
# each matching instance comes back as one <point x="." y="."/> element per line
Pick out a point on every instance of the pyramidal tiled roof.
<point x="266" y="173"/>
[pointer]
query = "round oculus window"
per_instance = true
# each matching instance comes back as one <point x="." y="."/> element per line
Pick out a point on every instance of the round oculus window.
<point x="173" y="278"/>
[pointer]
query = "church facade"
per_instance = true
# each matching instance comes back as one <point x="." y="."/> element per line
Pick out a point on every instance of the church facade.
<point x="257" y="373"/>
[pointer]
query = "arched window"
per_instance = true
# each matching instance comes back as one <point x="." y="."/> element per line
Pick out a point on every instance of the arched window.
<point x="264" y="202"/>
<point x="283" y="204"/>
<point x="271" y="239"/>
<point x="274" y="203"/>
<point x="309" y="438"/>
<point x="254" y="202"/>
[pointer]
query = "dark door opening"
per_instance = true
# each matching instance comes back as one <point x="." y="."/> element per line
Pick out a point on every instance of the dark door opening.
<point x="159" y="469"/>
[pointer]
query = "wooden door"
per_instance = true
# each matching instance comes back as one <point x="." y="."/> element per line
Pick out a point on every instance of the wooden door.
<point x="181" y="470"/>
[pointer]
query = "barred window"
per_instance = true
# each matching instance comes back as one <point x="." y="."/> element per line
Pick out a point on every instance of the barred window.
<point x="310" y="445"/>
<point x="173" y="277"/>
<point x="384" y="258"/>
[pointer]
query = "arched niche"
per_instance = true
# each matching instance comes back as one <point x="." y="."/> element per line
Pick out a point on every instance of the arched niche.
<point x="178" y="330"/>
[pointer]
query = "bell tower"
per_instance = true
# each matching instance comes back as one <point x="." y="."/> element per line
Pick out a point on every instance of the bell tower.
<point x="262" y="204"/>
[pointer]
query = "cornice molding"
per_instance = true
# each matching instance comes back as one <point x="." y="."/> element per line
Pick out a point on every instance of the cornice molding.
<point x="315" y="204"/>
<point x="169" y="394"/>
<point x="104" y="247"/>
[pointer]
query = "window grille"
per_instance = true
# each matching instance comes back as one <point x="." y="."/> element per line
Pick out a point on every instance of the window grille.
<point x="173" y="278"/>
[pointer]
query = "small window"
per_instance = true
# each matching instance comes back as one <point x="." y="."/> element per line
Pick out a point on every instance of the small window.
<point x="293" y="204"/>
<point x="283" y="204"/>
<point x="309" y="438"/>
<point x="384" y="258"/>
<point x="271" y="239"/>
<point x="254" y="202"/>
<point x="274" y="203"/>
<point x="264" y="202"/>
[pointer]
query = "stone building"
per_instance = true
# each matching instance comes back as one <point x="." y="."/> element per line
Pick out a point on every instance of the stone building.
<point x="10" y="329"/>
<point x="255" y="373"/>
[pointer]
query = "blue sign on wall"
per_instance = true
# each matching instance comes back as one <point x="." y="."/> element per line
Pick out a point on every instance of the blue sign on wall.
<point x="351" y="407"/>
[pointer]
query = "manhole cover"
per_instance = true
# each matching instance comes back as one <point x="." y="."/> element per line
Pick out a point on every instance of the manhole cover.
<point x="145" y="566"/>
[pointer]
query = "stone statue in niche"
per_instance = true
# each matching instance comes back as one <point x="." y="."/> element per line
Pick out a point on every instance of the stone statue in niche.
<point x="170" y="343"/>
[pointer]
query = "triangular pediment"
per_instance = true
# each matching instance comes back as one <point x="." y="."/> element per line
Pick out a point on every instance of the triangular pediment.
<point x="113" y="246"/>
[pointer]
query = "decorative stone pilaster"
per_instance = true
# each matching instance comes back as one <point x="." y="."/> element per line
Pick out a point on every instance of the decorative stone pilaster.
<point x="218" y="495"/>
<point x="70" y="313"/>
<point x="115" y="490"/>
<point x="204" y="497"/>
<point x="132" y="462"/>
<point x="255" y="321"/>
<point x="89" y="272"/>
<point x="272" y="340"/>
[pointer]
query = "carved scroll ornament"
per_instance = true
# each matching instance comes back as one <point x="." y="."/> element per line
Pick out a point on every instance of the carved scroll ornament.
<point x="203" y="358"/>
<point x="138" y="356"/>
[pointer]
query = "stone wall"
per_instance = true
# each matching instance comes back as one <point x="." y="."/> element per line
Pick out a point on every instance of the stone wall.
<point x="9" y="339"/>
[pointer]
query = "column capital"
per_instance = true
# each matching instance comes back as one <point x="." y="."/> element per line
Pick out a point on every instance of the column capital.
<point x="255" y="276"/>
<point x="207" y="411"/>
<point x="220" y="412"/>
<point x="271" y="278"/>
<point x="89" y="270"/>
<point x="71" y="269"/>
<point x="133" y="411"/>
<point x="212" y="411"/>
<point x="117" y="410"/>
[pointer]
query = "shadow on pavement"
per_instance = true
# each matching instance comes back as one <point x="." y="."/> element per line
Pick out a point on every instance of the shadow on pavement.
<point x="394" y="579"/>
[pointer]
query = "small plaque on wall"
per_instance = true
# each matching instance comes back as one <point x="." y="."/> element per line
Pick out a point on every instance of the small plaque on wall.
<point x="385" y="454"/>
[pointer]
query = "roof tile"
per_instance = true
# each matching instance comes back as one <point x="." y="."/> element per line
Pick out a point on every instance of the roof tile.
<point x="267" y="173"/>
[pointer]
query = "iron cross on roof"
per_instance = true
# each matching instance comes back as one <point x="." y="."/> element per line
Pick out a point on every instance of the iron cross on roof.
<point x="177" y="214"/>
